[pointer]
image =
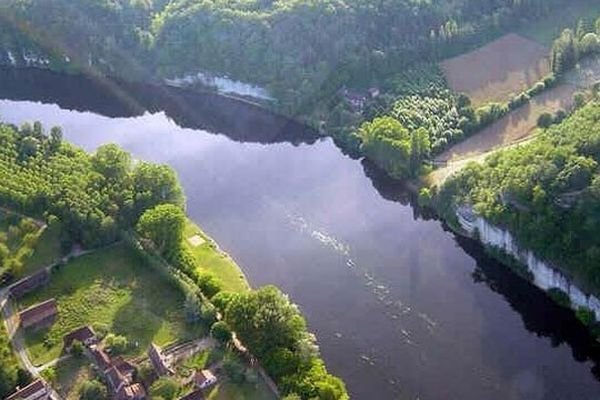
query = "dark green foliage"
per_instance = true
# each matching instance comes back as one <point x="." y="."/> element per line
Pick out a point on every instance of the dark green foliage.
<point x="559" y="297"/>
<point x="165" y="388"/>
<point x="163" y="225"/>
<point x="546" y="192"/>
<point x="209" y="284"/>
<point x="93" y="196"/>
<point x="274" y="330"/>
<point x="93" y="390"/>
<point x="220" y="331"/>
<point x="8" y="366"/>
<point x="586" y="316"/>
<point x="545" y="120"/>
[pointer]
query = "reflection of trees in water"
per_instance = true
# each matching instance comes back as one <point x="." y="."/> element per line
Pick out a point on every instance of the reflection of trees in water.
<point x="539" y="313"/>
<point x="239" y="120"/>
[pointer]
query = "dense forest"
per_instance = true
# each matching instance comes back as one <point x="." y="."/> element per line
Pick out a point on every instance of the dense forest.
<point x="285" y="46"/>
<point x="547" y="193"/>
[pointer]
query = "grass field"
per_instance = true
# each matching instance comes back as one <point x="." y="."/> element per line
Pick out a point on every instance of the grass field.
<point x="547" y="29"/>
<point x="111" y="288"/>
<point x="211" y="259"/>
<point x="499" y="70"/>
<point x="243" y="391"/>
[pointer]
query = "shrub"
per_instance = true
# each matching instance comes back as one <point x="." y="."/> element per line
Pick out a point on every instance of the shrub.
<point x="536" y="89"/>
<point x="221" y="332"/>
<point x="579" y="99"/>
<point x="549" y="80"/>
<point x="209" y="284"/>
<point x="545" y="120"/>
<point x="116" y="344"/>
<point x="586" y="316"/>
<point x="560" y="297"/>
<point x="164" y="387"/>
<point x="93" y="390"/>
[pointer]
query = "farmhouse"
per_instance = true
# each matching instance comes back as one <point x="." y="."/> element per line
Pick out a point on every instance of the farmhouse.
<point x="36" y="390"/>
<point x="159" y="362"/>
<point x="204" y="379"/>
<point x="40" y="315"/>
<point x="118" y="374"/>
<point x="85" y="335"/>
<point x="32" y="282"/>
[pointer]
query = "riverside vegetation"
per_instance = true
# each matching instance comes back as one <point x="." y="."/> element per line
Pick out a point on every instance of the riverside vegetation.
<point x="98" y="199"/>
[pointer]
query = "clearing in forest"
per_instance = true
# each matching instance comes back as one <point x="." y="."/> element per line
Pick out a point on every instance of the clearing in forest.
<point x="499" y="70"/>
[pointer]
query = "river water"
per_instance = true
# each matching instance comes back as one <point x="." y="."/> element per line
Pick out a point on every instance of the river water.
<point x="403" y="309"/>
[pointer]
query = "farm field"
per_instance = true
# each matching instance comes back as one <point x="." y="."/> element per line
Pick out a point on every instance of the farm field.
<point x="513" y="127"/>
<point x="112" y="290"/>
<point x="212" y="260"/>
<point x="499" y="70"/>
<point x="546" y="29"/>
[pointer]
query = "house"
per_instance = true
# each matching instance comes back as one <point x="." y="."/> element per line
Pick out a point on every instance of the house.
<point x="204" y="379"/>
<point x="159" y="361"/>
<point x="37" y="390"/>
<point x="195" y="395"/>
<point x="116" y="380"/>
<point x="131" y="392"/>
<point x="32" y="282"/>
<point x="39" y="315"/>
<point x="85" y="335"/>
<point x="125" y="367"/>
<point x="101" y="359"/>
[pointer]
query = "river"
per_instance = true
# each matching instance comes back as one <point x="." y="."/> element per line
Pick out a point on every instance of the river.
<point x="402" y="308"/>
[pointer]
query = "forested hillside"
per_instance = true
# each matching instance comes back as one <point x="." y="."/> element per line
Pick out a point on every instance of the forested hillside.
<point x="547" y="193"/>
<point x="300" y="50"/>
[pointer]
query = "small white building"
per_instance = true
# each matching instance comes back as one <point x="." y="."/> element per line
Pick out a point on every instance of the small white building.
<point x="204" y="379"/>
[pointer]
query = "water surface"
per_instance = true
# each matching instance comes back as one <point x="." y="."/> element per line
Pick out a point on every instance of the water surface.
<point x="403" y="309"/>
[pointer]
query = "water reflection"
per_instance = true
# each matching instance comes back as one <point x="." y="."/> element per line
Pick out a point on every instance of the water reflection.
<point x="239" y="120"/>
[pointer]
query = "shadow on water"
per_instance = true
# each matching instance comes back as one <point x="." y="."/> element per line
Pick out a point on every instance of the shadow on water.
<point x="539" y="313"/>
<point x="240" y="120"/>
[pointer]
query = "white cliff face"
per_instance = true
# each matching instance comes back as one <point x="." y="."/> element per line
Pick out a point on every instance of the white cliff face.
<point x="545" y="276"/>
<point x="223" y="85"/>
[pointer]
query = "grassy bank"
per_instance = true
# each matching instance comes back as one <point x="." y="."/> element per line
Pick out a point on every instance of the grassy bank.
<point x="213" y="260"/>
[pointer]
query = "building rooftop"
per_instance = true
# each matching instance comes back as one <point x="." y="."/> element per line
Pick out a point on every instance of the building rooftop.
<point x="83" y="335"/>
<point x="37" y="386"/>
<point x="38" y="313"/>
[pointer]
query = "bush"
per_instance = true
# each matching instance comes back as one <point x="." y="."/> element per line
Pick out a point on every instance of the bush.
<point x="209" y="284"/>
<point x="77" y="348"/>
<point x="222" y="300"/>
<point x="536" y="89"/>
<point x="545" y="120"/>
<point x="579" y="99"/>
<point x="518" y="101"/>
<point x="165" y="388"/>
<point x="549" y="81"/>
<point x="221" y="332"/>
<point x="586" y="316"/>
<point x="116" y="344"/>
<point x="559" y="297"/>
<point x="93" y="390"/>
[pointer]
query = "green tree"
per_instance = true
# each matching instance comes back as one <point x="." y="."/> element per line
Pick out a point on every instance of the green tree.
<point x="220" y="331"/>
<point x="164" y="387"/>
<point x="163" y="225"/>
<point x="93" y="390"/>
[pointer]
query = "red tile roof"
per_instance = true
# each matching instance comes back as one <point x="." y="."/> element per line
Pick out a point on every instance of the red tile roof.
<point x="159" y="363"/>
